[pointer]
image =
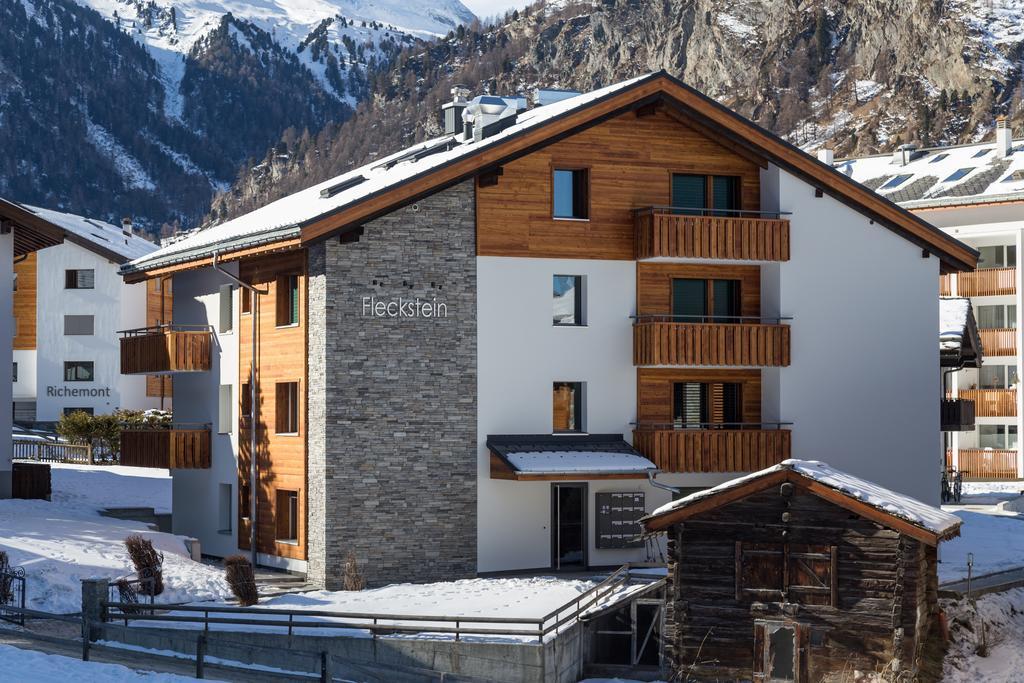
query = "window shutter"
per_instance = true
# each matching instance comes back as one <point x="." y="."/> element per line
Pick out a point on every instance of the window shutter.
<point x="726" y="191"/>
<point x="689" y="192"/>
<point x="293" y="283"/>
<point x="86" y="279"/>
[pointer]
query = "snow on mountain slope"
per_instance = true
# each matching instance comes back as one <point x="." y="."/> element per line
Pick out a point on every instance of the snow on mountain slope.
<point x="354" y="29"/>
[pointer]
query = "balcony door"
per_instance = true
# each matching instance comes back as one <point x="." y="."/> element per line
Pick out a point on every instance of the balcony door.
<point x="706" y="300"/>
<point x="702" y="195"/>
<point x="568" y="526"/>
<point x="707" y="405"/>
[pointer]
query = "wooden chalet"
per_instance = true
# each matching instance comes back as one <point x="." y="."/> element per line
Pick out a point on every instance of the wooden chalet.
<point x="799" y="573"/>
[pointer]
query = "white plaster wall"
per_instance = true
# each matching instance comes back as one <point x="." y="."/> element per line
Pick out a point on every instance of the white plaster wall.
<point x="25" y="387"/>
<point x="115" y="306"/>
<point x="7" y="337"/>
<point x="520" y="354"/>
<point x="196" y="493"/>
<point x="862" y="389"/>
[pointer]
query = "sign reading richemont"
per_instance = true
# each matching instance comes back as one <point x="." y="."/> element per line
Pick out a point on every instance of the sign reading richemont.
<point x="403" y="308"/>
<point x="77" y="392"/>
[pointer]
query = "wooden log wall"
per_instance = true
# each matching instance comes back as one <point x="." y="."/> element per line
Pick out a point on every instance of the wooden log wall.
<point x="881" y="580"/>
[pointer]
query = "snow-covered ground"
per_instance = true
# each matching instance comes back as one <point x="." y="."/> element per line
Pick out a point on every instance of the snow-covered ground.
<point x="993" y="535"/>
<point x="60" y="543"/>
<point x="28" y="665"/>
<point x="995" y="620"/>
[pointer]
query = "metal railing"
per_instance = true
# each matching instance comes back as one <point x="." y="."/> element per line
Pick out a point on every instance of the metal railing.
<point x="679" y="425"/>
<point x="375" y="623"/>
<point x="165" y="327"/>
<point x="12" y="594"/>
<point x="51" y="451"/>
<point x="670" y="318"/>
<point x="708" y="211"/>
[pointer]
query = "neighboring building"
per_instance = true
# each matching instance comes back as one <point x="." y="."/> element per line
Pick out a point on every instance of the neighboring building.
<point x="474" y="353"/>
<point x="69" y="304"/>
<point x="22" y="233"/>
<point x="959" y="348"/>
<point x="976" y="194"/>
<point x="838" y="575"/>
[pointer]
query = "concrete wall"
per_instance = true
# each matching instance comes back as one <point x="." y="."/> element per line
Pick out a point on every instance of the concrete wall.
<point x="863" y="384"/>
<point x="25" y="388"/>
<point x="6" y="339"/>
<point x="521" y="353"/>
<point x="196" y="493"/>
<point x="392" y="400"/>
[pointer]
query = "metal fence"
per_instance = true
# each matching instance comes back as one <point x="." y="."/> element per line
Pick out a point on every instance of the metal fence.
<point x="53" y="451"/>
<point x="12" y="595"/>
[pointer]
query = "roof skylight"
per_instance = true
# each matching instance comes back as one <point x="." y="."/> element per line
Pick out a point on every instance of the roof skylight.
<point x="938" y="157"/>
<point x="897" y="180"/>
<point x="958" y="174"/>
<point x="981" y="152"/>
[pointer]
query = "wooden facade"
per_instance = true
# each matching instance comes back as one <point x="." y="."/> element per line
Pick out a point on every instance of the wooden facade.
<point x="630" y="161"/>
<point x="985" y="282"/>
<point x="666" y="342"/>
<point x="281" y="359"/>
<point x="174" y="448"/>
<point x="985" y="463"/>
<point x="25" y="293"/>
<point x="999" y="342"/>
<point x="654" y="392"/>
<point x="780" y="581"/>
<point x="166" y="350"/>
<point x="663" y="232"/>
<point x="713" y="450"/>
<point x="991" y="402"/>
<point x="159" y="311"/>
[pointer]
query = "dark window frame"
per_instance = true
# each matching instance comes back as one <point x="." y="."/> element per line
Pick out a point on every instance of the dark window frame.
<point x="578" y="320"/>
<point x="710" y="207"/>
<point x="286" y="527"/>
<point x="73" y="278"/>
<point x="576" y="408"/>
<point x="579" y="204"/>
<point x="73" y="364"/>
<point x="286" y="408"/>
<point x="736" y="305"/>
<point x="288" y="300"/>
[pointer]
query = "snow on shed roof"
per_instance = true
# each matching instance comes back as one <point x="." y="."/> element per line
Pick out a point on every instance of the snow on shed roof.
<point x="932" y="519"/>
<point x="959" y="341"/>
<point x="283" y="218"/>
<point x="556" y="462"/>
<point x="97" y="235"/>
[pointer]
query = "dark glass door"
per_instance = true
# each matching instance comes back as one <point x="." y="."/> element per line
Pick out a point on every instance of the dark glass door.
<point x="689" y="193"/>
<point x="569" y="526"/>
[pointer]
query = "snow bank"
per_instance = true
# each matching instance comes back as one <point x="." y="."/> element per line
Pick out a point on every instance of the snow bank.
<point x="29" y="665"/>
<point x="111" y="486"/>
<point x="1000" y="617"/>
<point x="997" y="541"/>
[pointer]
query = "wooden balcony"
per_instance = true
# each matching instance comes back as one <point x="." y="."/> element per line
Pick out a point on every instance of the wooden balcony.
<point x="992" y="402"/>
<point x="985" y="463"/>
<point x="743" y="235"/>
<point x="662" y="341"/>
<point x="999" y="341"/>
<point x="166" y="349"/>
<point x="957" y="415"/>
<point x="178" y="447"/>
<point x="986" y="282"/>
<point x="713" y="450"/>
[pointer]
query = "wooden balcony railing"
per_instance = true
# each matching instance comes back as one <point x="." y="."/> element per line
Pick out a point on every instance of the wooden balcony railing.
<point x="744" y="235"/>
<point x="999" y="341"/>
<point x="985" y="463"/>
<point x="985" y="282"/>
<point x="713" y="450"/>
<point x="957" y="415"/>
<point x="164" y="349"/>
<point x="179" y="447"/>
<point x="660" y="340"/>
<point x="992" y="402"/>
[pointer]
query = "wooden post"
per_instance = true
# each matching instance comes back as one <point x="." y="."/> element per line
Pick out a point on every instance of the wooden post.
<point x="325" y="667"/>
<point x="88" y="452"/>
<point x="200" y="654"/>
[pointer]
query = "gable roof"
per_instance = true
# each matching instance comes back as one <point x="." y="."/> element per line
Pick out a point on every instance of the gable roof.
<point x="365" y="193"/>
<point x="896" y="511"/>
<point x="31" y="232"/>
<point x="959" y="340"/>
<point x="97" y="236"/>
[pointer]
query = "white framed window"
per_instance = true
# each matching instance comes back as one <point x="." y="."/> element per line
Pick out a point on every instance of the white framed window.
<point x="567" y="297"/>
<point x="226" y="309"/>
<point x="997" y="257"/>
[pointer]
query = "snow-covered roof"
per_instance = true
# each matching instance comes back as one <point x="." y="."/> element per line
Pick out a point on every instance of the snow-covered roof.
<point x="938" y="176"/>
<point x="283" y="218"/>
<point x="556" y="462"/>
<point x="958" y="335"/>
<point x="932" y="519"/>
<point x="96" y="234"/>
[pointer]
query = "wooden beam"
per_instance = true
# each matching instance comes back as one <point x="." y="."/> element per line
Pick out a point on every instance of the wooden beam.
<point x="715" y="500"/>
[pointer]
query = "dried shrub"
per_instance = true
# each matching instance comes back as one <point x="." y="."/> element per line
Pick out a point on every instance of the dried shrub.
<point x="241" y="579"/>
<point x="148" y="564"/>
<point x="352" y="579"/>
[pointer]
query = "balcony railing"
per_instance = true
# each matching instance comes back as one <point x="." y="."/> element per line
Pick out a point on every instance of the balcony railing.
<point x="991" y="402"/>
<point x="957" y="415"/>
<point x="165" y="349"/>
<point x="999" y="341"/>
<point x="985" y="463"/>
<point x="713" y="448"/>
<point x="711" y="233"/>
<point x="985" y="282"/>
<point x="180" y="446"/>
<point x="682" y="340"/>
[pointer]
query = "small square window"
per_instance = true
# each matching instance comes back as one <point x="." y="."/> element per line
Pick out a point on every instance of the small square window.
<point x="78" y="371"/>
<point x="78" y="325"/>
<point x="567" y="407"/>
<point x="571" y="193"/>
<point x="286" y="408"/>
<point x="80" y="279"/>
<point x="567" y="292"/>
<point x="72" y="411"/>
<point x="286" y="514"/>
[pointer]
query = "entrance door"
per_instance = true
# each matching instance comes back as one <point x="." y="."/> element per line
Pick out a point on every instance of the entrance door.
<point x="777" y="653"/>
<point x="568" y="526"/>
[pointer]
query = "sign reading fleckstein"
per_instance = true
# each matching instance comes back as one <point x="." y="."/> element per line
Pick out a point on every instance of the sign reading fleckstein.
<point x="401" y="307"/>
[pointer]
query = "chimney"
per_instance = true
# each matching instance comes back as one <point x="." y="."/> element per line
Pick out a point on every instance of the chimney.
<point x="826" y="156"/>
<point x="452" y="111"/>
<point x="487" y="115"/>
<point x="1004" y="138"/>
<point x="543" y="96"/>
<point x="904" y="154"/>
<point x="126" y="226"/>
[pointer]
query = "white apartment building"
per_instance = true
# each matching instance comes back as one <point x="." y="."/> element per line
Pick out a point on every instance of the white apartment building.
<point x="493" y="350"/>
<point x="69" y="304"/>
<point x="976" y="194"/>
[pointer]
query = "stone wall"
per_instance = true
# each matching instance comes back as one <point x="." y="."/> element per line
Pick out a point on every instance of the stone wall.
<point x="392" y="396"/>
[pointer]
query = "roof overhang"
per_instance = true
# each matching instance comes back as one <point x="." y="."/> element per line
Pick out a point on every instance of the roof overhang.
<point x="31" y="232"/>
<point x="284" y="239"/>
<point x="661" y="522"/>
<point x="556" y="457"/>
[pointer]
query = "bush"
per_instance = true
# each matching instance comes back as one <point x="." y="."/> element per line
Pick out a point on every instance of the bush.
<point x="148" y="564"/>
<point x="103" y="432"/>
<point x="241" y="579"/>
<point x="353" y="579"/>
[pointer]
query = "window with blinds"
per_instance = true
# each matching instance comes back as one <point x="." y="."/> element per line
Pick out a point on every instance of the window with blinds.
<point x="705" y="405"/>
<point x="287" y="300"/>
<point x="703" y="195"/>
<point x="80" y="279"/>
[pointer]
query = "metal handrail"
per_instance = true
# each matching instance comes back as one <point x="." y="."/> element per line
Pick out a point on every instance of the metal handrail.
<point x="725" y="319"/>
<point x="683" y="426"/>
<point x="708" y="211"/>
<point x="165" y="327"/>
<point x="167" y="426"/>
